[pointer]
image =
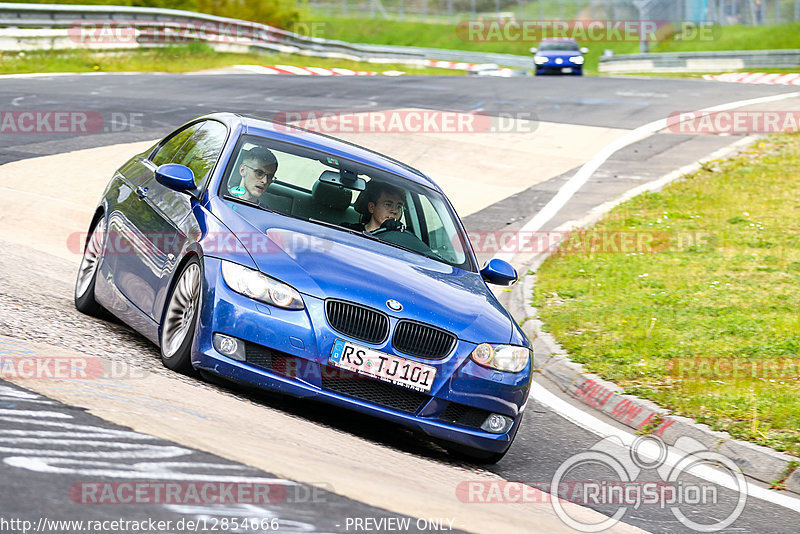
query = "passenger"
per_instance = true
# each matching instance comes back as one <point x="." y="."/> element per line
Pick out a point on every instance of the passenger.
<point x="385" y="206"/>
<point x="257" y="170"/>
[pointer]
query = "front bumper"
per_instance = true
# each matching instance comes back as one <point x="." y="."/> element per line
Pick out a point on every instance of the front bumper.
<point x="566" y="67"/>
<point x="288" y="350"/>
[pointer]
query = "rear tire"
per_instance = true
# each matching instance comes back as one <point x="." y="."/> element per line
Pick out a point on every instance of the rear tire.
<point x="87" y="272"/>
<point x="180" y="318"/>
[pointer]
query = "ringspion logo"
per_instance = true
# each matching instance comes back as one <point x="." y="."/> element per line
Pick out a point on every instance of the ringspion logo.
<point x="644" y="475"/>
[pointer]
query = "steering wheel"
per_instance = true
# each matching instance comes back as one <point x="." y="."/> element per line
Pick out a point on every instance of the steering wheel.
<point x="383" y="230"/>
<point x="380" y="231"/>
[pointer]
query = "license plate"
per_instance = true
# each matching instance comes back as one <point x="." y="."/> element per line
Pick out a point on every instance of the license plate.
<point x="566" y="70"/>
<point x="382" y="366"/>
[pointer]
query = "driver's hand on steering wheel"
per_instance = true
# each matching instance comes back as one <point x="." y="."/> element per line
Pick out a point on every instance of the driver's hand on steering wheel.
<point x="392" y="224"/>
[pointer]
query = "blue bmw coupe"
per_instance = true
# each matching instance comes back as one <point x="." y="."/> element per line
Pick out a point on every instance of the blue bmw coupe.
<point x="291" y="261"/>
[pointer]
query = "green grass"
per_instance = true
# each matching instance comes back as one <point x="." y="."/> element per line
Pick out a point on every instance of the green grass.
<point x="739" y="38"/>
<point x="698" y="312"/>
<point x="186" y="58"/>
<point x="446" y="36"/>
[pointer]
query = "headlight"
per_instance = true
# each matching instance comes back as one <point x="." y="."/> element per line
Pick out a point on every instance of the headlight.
<point x="540" y="59"/>
<point x="578" y="60"/>
<point x="261" y="287"/>
<point x="509" y="358"/>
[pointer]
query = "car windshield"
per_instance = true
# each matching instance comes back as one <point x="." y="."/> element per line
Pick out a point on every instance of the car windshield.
<point x="327" y="190"/>
<point x="558" y="46"/>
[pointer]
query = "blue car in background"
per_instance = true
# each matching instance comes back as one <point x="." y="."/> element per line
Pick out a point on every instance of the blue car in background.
<point x="558" y="56"/>
<point x="288" y="292"/>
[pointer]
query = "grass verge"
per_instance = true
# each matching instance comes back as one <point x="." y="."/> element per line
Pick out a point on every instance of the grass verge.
<point x="688" y="297"/>
<point x="185" y="58"/>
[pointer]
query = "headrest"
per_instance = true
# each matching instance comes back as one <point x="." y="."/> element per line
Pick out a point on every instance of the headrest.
<point x="361" y="205"/>
<point x="333" y="196"/>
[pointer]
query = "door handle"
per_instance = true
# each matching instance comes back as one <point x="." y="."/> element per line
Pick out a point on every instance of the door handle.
<point x="141" y="192"/>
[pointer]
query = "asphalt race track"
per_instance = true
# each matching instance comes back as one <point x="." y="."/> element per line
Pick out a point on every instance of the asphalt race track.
<point x="53" y="451"/>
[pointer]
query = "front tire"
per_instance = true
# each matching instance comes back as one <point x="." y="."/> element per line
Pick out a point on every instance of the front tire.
<point x="180" y="318"/>
<point x="87" y="272"/>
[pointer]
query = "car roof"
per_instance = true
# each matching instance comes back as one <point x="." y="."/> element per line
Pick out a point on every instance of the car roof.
<point x="325" y="143"/>
<point x="559" y="40"/>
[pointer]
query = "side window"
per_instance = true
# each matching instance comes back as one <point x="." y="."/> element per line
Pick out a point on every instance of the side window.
<point x="173" y="144"/>
<point x="200" y="153"/>
<point x="442" y="234"/>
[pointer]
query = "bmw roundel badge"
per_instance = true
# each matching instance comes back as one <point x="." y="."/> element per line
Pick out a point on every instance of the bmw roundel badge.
<point x="394" y="305"/>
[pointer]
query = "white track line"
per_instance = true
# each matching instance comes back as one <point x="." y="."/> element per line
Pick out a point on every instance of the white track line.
<point x="580" y="178"/>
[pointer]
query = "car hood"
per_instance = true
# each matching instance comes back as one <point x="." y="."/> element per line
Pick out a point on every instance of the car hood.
<point x="333" y="264"/>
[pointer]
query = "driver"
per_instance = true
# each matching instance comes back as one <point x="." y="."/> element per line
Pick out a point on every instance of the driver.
<point x="385" y="205"/>
<point x="257" y="170"/>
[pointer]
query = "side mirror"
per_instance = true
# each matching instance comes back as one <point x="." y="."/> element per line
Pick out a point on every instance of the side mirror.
<point x="584" y="50"/>
<point x="533" y="50"/>
<point x="177" y="177"/>
<point x="499" y="272"/>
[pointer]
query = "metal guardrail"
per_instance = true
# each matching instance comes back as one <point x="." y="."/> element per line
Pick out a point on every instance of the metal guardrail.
<point x="151" y="27"/>
<point x="701" y="61"/>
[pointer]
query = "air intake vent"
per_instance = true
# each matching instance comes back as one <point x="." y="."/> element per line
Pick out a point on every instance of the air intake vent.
<point x="356" y="321"/>
<point x="424" y="341"/>
<point x="277" y="362"/>
<point x="371" y="390"/>
<point x="464" y="415"/>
